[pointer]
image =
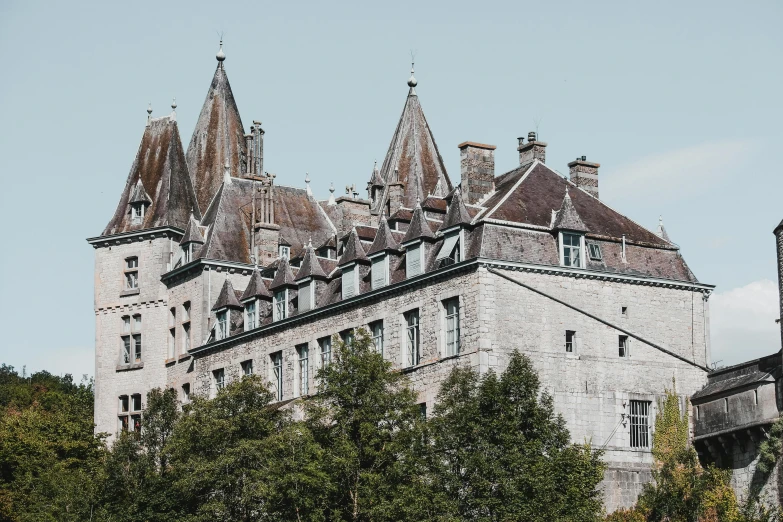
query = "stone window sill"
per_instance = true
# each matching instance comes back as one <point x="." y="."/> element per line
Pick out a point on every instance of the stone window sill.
<point x="128" y="367"/>
<point x="169" y="362"/>
<point x="185" y="356"/>
<point x="132" y="291"/>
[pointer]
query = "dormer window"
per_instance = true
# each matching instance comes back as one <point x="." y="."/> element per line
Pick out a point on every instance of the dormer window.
<point x="281" y="305"/>
<point x="283" y="251"/>
<point x="187" y="253"/>
<point x="251" y="315"/>
<point x="222" y="324"/>
<point x="349" y="280"/>
<point x="571" y="250"/>
<point x="413" y="258"/>
<point x="594" y="249"/>
<point x="451" y="251"/>
<point x="306" y="296"/>
<point x="380" y="271"/>
<point x="137" y="213"/>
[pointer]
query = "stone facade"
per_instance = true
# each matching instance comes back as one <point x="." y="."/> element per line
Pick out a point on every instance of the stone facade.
<point x="609" y="327"/>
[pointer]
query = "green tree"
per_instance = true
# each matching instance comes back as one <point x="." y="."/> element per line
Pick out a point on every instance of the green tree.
<point x="499" y="451"/>
<point x="238" y="457"/>
<point x="367" y="421"/>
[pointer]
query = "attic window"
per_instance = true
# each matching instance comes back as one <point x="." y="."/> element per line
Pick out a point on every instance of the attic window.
<point x="595" y="251"/>
<point x="137" y="213"/>
<point x="187" y="253"/>
<point x="283" y="251"/>
<point x="571" y="249"/>
<point x="222" y="324"/>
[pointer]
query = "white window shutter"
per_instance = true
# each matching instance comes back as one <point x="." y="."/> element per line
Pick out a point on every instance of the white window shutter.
<point x="349" y="282"/>
<point x="413" y="260"/>
<point x="305" y="297"/>
<point x="379" y="272"/>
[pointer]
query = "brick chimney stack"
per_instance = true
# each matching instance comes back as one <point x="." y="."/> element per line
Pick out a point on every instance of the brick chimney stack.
<point x="584" y="175"/>
<point x="532" y="150"/>
<point x="477" y="170"/>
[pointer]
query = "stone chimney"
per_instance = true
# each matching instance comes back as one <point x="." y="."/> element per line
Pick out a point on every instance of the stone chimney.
<point x="532" y="150"/>
<point x="477" y="170"/>
<point x="584" y="175"/>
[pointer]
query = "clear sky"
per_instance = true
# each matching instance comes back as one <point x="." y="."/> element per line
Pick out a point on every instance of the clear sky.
<point x="680" y="102"/>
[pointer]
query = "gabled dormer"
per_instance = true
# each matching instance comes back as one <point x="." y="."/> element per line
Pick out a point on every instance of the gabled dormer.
<point x="417" y="242"/>
<point x="282" y="291"/>
<point x="138" y="202"/>
<point x="453" y="231"/>
<point x="228" y="311"/>
<point x="570" y="234"/>
<point x="352" y="258"/>
<point x="191" y="241"/>
<point x="379" y="254"/>
<point x="310" y="280"/>
<point x="256" y="300"/>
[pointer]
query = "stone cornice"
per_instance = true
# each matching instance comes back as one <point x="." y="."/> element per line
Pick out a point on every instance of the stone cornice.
<point x="137" y="235"/>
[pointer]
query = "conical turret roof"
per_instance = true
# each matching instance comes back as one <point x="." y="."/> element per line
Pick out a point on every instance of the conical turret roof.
<point x="158" y="177"/>
<point x="218" y="136"/>
<point x="227" y="297"/>
<point x="457" y="213"/>
<point x="414" y="155"/>
<point x="567" y="217"/>
<point x="192" y="233"/>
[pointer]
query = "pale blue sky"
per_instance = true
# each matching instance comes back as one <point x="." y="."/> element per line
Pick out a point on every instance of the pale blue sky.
<point x="680" y="102"/>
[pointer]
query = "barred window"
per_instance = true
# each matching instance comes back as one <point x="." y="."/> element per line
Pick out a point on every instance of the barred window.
<point x="376" y="328"/>
<point x="277" y="374"/>
<point x="412" y="329"/>
<point x="451" y="307"/>
<point x="303" y="351"/>
<point x="640" y="424"/>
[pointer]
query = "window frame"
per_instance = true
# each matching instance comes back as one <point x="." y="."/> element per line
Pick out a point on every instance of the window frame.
<point x="280" y="306"/>
<point x="570" y="341"/>
<point x="639" y="423"/>
<point x="251" y="315"/>
<point x="221" y="324"/>
<point x="218" y="381"/>
<point x="377" y="335"/>
<point x="594" y="251"/>
<point x="138" y="210"/>
<point x="624" y="348"/>
<point x="580" y="251"/>
<point x="185" y="393"/>
<point x="379" y="271"/>
<point x="349" y="273"/>
<point x="412" y="337"/>
<point x="414" y="252"/>
<point x="452" y="332"/>
<point x="276" y="368"/>
<point x="283" y="252"/>
<point x="303" y="377"/>
<point x="130" y="273"/>
<point x="325" y="350"/>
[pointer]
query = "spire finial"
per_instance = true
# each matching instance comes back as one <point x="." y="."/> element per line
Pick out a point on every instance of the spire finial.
<point x="227" y="172"/>
<point x="307" y="183"/>
<point x="174" y="104"/>
<point x="660" y="220"/>
<point x="331" y="194"/>
<point x="220" y="54"/>
<point x="418" y="201"/>
<point x="412" y="81"/>
<point x="310" y="242"/>
<point x="149" y="109"/>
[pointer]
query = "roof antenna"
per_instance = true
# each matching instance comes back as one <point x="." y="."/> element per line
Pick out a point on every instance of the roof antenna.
<point x="537" y="123"/>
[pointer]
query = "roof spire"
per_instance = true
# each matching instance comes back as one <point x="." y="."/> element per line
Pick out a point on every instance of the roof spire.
<point x="220" y="54"/>
<point x="174" y="109"/>
<point x="412" y="83"/>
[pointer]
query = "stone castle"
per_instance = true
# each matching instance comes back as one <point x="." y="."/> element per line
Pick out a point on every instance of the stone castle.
<point x="211" y="269"/>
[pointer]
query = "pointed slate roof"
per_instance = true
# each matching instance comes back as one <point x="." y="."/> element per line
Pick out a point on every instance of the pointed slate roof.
<point x="354" y="251"/>
<point x="227" y="297"/>
<point x="139" y="195"/>
<point x="414" y="154"/>
<point x="311" y="267"/>
<point x="283" y="276"/>
<point x="160" y="174"/>
<point x="457" y="214"/>
<point x="255" y="287"/>
<point x="192" y="233"/>
<point x="218" y="134"/>
<point x="384" y="240"/>
<point x="375" y="178"/>
<point x="661" y="232"/>
<point x="567" y="217"/>
<point x="419" y="228"/>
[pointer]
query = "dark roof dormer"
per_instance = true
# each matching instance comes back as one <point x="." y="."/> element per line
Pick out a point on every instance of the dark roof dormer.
<point x="457" y="214"/>
<point x="353" y="251"/>
<point x="227" y="298"/>
<point x="192" y="233"/>
<point x="256" y="289"/>
<point x="311" y="267"/>
<point x="283" y="277"/>
<point x="384" y="240"/>
<point x="419" y="228"/>
<point x="567" y="217"/>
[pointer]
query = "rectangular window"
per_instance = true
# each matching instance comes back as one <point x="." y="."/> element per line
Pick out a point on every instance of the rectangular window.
<point x="570" y="339"/>
<point x="172" y="342"/>
<point x="218" y="380"/>
<point x="136" y="402"/>
<point x="346" y="336"/>
<point x="187" y="253"/>
<point x="284" y="251"/>
<point x="277" y="374"/>
<point x="376" y="329"/>
<point x="136" y="420"/>
<point x="123" y="423"/>
<point x="124" y="404"/>
<point x="303" y="351"/>
<point x="451" y="307"/>
<point x="172" y="316"/>
<point x="131" y="273"/>
<point x="413" y="260"/>
<point x="423" y="410"/>
<point x="222" y="324"/>
<point x="349" y="281"/>
<point x="640" y="424"/>
<point x="126" y="324"/>
<point x="325" y="345"/>
<point x="126" y="349"/>
<point x="624" y="311"/>
<point x="412" y="337"/>
<point x="185" y="338"/>
<point x="306" y="291"/>
<point x="186" y="311"/>
<point x="623" y="346"/>
<point x="755" y="397"/>
<point x="186" y="392"/>
<point x="726" y="405"/>
<point x="380" y="272"/>
<point x="250" y="315"/>
<point x="595" y="251"/>
<point x="698" y="412"/>
<point x="137" y="323"/>
<point x="450" y="250"/>
<point x="572" y="251"/>
<point x="247" y="367"/>
<point x="281" y="305"/>
<point x="137" y="348"/>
